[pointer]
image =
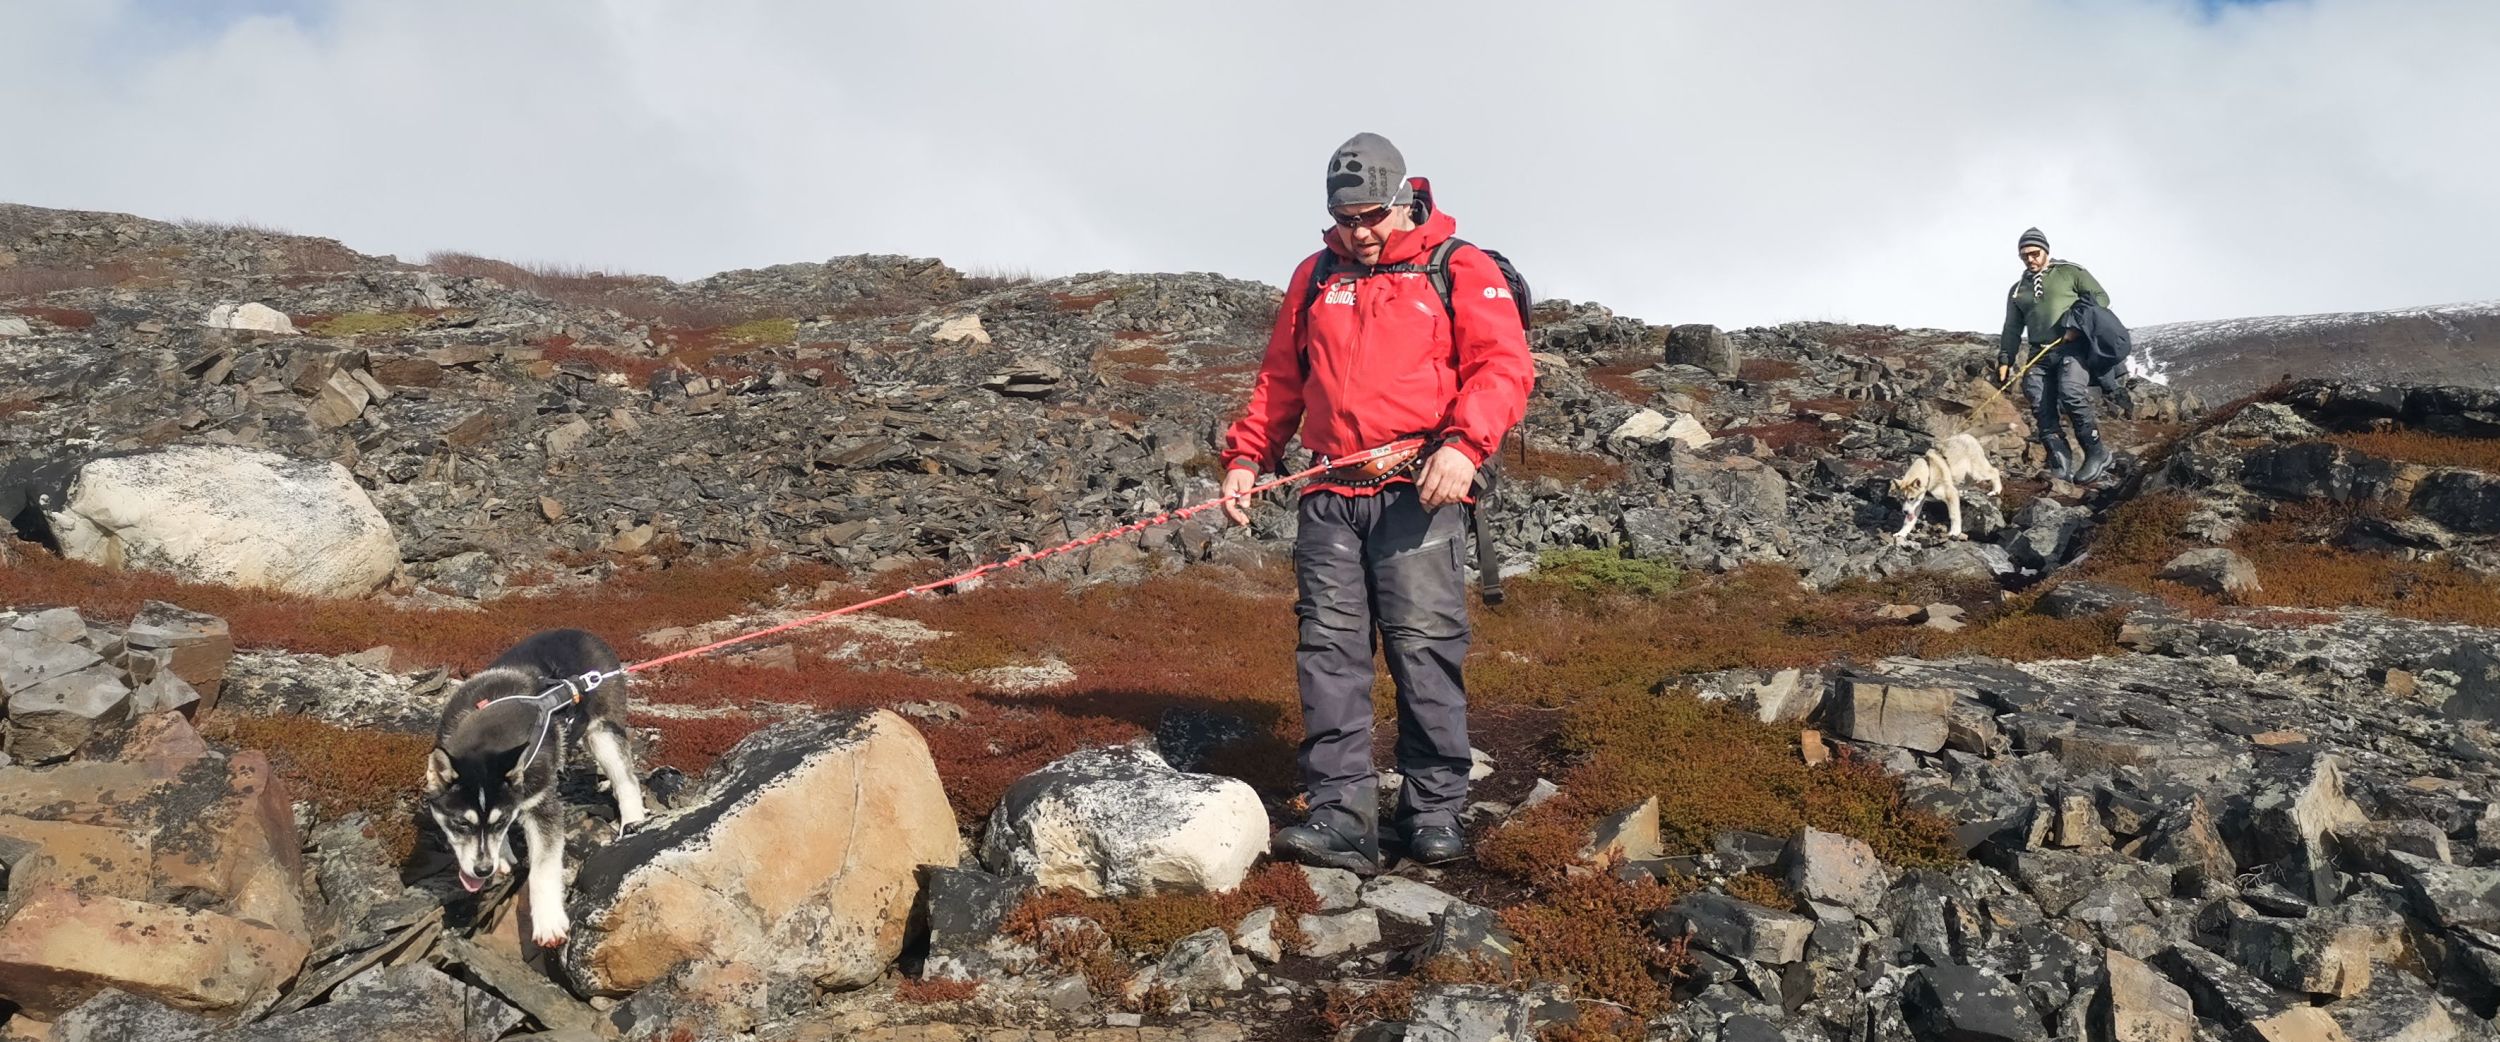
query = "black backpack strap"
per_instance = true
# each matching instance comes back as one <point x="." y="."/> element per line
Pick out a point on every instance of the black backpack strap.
<point x="1438" y="270"/>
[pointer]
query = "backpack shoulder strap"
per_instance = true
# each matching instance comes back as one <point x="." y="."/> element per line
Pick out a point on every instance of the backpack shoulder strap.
<point x="1438" y="270"/>
<point x="1321" y="271"/>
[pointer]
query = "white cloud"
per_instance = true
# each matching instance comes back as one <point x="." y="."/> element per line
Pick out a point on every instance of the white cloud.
<point x="1687" y="161"/>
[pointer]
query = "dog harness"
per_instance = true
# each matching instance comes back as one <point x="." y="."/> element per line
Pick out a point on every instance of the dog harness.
<point x="566" y="694"/>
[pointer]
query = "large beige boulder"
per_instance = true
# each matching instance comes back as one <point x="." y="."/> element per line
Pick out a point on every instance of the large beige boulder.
<point x="799" y="860"/>
<point x="229" y="515"/>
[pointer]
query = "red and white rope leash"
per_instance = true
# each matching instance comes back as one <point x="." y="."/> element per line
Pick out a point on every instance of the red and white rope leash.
<point x="590" y="680"/>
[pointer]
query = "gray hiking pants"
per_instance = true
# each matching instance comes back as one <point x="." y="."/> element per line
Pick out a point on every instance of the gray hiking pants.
<point x="2061" y="383"/>
<point x="1382" y="562"/>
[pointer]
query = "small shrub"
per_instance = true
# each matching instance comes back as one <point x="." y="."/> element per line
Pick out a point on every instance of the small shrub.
<point x="1607" y="570"/>
<point x="1142" y="354"/>
<point x="763" y="331"/>
<point x="1570" y="468"/>
<point x="2425" y="448"/>
<point x="969" y="652"/>
<point x="2142" y="531"/>
<point x="1768" y="370"/>
<point x="1541" y="843"/>
<point x="1080" y="301"/>
<point x="1592" y="932"/>
<point x="1349" y="1004"/>
<point x="340" y="771"/>
<point x="66" y="318"/>
<point x="991" y="280"/>
<point x="1620" y="380"/>
<point x="364" y="323"/>
<point x="1078" y="951"/>
<point x="1597" y="1024"/>
<point x="1790" y="437"/>
<point x="2023" y="636"/>
<point x="930" y="992"/>
<point x="22" y="282"/>
<point x="1146" y="927"/>
<point x="1763" y="890"/>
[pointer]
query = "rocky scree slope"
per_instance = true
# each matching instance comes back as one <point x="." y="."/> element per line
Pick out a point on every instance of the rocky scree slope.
<point x="871" y="411"/>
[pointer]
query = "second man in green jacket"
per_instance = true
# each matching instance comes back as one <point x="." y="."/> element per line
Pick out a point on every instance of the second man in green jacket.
<point x="2053" y="373"/>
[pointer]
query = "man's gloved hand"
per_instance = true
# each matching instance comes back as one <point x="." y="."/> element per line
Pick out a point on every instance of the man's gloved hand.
<point x="1237" y="480"/>
<point x="1446" y="478"/>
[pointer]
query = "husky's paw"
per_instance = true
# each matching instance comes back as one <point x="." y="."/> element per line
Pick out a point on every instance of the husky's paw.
<point x="551" y="931"/>
<point x="1956" y="536"/>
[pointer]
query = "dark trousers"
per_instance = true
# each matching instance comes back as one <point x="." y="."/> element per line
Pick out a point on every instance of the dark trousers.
<point x="1382" y="564"/>
<point x="2060" y="383"/>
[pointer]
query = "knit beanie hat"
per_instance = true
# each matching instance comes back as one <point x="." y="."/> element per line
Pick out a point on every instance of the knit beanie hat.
<point x="1366" y="171"/>
<point x="2032" y="237"/>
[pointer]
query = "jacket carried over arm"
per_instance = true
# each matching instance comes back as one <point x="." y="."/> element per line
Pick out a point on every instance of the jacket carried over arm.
<point x="2036" y="311"/>
<point x="1376" y="358"/>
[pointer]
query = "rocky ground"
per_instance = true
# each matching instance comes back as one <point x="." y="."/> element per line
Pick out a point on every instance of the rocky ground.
<point x="2203" y="751"/>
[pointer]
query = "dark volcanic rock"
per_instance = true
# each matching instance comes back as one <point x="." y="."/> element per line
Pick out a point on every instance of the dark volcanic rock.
<point x="1967" y="1004"/>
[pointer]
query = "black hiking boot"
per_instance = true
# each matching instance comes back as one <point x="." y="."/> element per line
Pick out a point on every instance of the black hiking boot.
<point x="1314" y="843"/>
<point x="2095" y="457"/>
<point x="1435" y="844"/>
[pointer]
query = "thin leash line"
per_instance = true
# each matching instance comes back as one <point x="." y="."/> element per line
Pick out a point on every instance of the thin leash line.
<point x="2017" y="374"/>
<point x="1019" y="560"/>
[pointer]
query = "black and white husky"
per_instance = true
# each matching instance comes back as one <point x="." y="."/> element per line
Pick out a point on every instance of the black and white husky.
<point x="500" y="749"/>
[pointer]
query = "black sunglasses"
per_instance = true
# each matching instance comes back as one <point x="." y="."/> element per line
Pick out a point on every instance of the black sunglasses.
<point x="1365" y="219"/>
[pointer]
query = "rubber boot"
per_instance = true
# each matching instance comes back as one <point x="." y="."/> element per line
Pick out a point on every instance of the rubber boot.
<point x="2095" y="455"/>
<point x="2061" y="462"/>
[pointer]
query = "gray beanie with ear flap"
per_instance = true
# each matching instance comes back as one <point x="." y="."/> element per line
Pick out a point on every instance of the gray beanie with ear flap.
<point x="1366" y="171"/>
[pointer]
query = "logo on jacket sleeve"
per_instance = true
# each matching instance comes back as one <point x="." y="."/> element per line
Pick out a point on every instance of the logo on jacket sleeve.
<point x="1497" y="293"/>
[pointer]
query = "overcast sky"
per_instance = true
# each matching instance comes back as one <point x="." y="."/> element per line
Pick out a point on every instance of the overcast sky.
<point x="1737" y="163"/>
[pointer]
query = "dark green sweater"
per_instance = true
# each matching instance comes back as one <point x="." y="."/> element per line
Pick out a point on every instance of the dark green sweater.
<point x="2059" y="286"/>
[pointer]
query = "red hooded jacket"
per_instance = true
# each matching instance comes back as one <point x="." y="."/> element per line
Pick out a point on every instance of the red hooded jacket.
<point x="1386" y="361"/>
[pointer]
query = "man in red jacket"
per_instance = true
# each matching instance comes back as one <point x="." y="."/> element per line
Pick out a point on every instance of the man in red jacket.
<point x="1375" y="359"/>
